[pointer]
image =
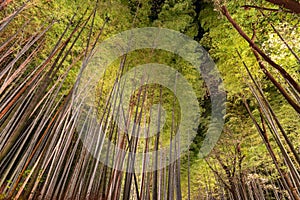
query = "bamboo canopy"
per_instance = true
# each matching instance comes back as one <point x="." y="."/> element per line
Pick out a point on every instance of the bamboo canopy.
<point x="53" y="147"/>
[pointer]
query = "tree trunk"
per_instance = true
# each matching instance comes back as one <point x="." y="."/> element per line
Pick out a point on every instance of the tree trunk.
<point x="291" y="5"/>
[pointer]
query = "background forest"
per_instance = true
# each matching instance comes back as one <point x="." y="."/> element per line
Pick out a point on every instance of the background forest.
<point x="45" y="44"/>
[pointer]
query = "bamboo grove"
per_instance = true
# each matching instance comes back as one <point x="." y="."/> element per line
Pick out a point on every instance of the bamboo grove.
<point x="44" y="48"/>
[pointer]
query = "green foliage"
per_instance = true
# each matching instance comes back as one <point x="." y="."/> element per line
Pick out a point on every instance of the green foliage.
<point x="222" y="42"/>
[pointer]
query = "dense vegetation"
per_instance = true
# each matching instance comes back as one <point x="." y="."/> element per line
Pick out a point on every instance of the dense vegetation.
<point x="44" y="47"/>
